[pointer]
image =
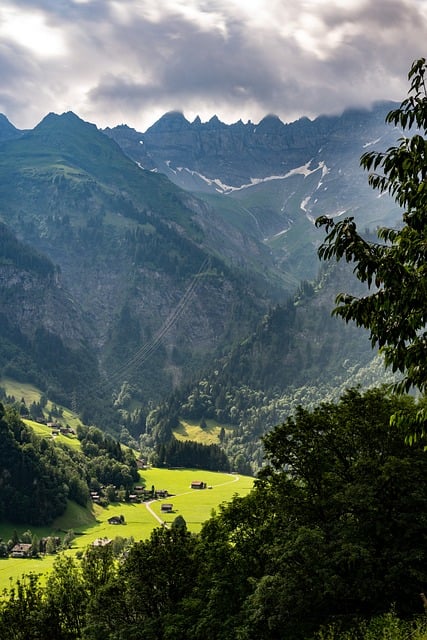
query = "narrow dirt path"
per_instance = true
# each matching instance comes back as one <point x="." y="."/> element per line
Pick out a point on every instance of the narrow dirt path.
<point x="158" y="518"/>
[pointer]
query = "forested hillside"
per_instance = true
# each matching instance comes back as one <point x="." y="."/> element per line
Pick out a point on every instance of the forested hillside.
<point x="299" y="354"/>
<point x="39" y="476"/>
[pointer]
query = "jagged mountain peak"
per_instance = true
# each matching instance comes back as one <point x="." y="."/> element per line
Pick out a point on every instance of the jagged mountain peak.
<point x="67" y="138"/>
<point x="172" y="121"/>
<point x="65" y="144"/>
<point x="215" y="154"/>
<point x="270" y="123"/>
<point x="65" y="133"/>
<point x="64" y="120"/>
<point x="65" y="115"/>
<point x="215" y="123"/>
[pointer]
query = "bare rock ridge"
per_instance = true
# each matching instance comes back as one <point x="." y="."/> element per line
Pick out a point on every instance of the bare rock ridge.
<point x="238" y="152"/>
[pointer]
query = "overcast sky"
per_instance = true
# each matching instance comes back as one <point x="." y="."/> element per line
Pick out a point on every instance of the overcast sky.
<point x="130" y="61"/>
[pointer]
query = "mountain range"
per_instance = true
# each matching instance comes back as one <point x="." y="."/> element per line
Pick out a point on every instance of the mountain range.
<point x="145" y="259"/>
<point x="277" y="177"/>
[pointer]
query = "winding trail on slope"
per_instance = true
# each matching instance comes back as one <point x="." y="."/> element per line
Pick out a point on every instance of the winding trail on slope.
<point x="184" y="493"/>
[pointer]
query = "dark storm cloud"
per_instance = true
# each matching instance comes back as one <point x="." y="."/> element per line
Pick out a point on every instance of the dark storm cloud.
<point x="187" y="63"/>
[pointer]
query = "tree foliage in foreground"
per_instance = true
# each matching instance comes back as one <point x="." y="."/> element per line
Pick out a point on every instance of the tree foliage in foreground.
<point x="395" y="267"/>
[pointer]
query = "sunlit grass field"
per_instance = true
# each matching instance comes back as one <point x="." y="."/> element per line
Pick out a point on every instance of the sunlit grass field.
<point x="31" y="394"/>
<point x="194" y="505"/>
<point x="46" y="432"/>
<point x="191" y="430"/>
<point x="20" y="390"/>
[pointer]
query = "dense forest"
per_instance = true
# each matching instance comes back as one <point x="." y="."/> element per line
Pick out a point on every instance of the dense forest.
<point x="192" y="454"/>
<point x="334" y="536"/>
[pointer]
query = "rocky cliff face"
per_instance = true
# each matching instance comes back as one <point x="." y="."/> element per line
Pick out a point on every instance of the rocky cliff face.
<point x="236" y="154"/>
<point x="230" y="154"/>
<point x="43" y="332"/>
<point x="31" y="301"/>
<point x="272" y="179"/>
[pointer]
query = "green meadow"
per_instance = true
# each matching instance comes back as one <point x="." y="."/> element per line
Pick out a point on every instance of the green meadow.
<point x="46" y="432"/>
<point x="191" y="430"/>
<point x="194" y="505"/>
<point x="31" y="394"/>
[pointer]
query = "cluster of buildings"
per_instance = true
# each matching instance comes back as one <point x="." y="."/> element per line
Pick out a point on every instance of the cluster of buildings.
<point x="139" y="494"/>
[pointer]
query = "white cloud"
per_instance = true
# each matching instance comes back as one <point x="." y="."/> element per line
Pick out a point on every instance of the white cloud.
<point x="31" y="31"/>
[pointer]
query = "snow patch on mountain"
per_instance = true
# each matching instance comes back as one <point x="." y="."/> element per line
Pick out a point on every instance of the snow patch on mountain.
<point x="222" y="187"/>
<point x="215" y="182"/>
<point x="304" y="204"/>
<point x="280" y="233"/>
<point x="325" y="171"/>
